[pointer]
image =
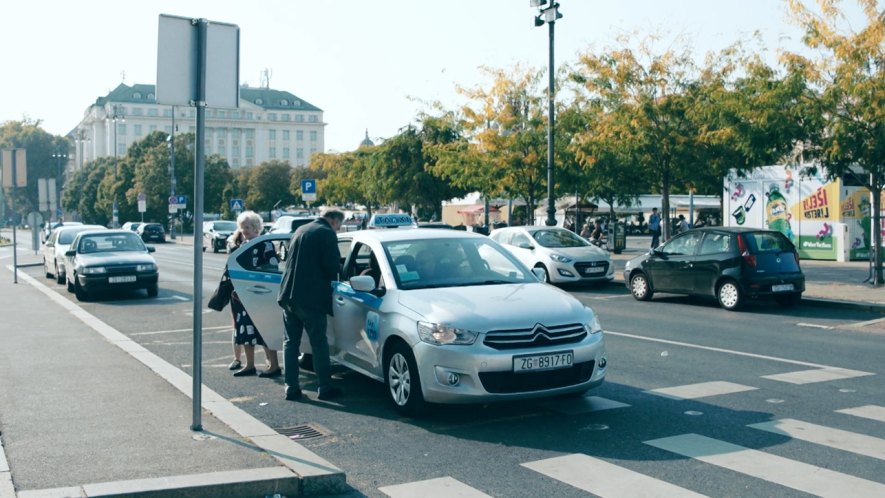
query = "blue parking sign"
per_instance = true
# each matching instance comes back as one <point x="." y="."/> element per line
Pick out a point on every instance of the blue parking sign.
<point x="308" y="186"/>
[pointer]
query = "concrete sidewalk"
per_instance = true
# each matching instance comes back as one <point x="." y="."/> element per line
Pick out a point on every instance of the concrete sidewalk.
<point x="85" y="411"/>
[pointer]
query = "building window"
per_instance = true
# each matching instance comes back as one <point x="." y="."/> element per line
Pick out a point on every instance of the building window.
<point x="152" y="128"/>
<point x="136" y="96"/>
<point x="284" y="102"/>
<point x="299" y="135"/>
<point x="121" y="128"/>
<point x="299" y="118"/>
<point x="285" y="134"/>
<point x="313" y="150"/>
<point x="222" y="114"/>
<point x="121" y="149"/>
<point x="220" y="143"/>
<point x="271" y="116"/>
<point x="167" y="113"/>
<point x="273" y="153"/>
<point x="248" y="115"/>
<point x="313" y="119"/>
<point x="137" y="130"/>
<point x="249" y="152"/>
<point x="250" y="133"/>
<point x="285" y="153"/>
<point x="249" y="161"/>
<point x="235" y="151"/>
<point x="271" y="134"/>
<point x="151" y="96"/>
<point x="236" y="162"/>
<point x="287" y="117"/>
<point x="259" y="101"/>
<point x="299" y="153"/>
<point x="313" y="135"/>
<point x="235" y="114"/>
<point x="152" y="112"/>
<point x="136" y="111"/>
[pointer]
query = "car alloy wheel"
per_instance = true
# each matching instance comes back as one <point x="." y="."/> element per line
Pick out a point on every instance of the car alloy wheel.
<point x="546" y="278"/>
<point x="729" y="295"/>
<point x="403" y="382"/>
<point x="80" y="292"/>
<point x="639" y="287"/>
<point x="59" y="278"/>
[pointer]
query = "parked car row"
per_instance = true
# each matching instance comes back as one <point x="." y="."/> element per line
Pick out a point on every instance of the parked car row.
<point x="90" y="259"/>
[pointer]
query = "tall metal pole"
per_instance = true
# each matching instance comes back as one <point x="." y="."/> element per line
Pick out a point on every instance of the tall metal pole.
<point x="203" y="27"/>
<point x="551" y="208"/>
<point x="172" y="216"/>
<point x="15" y="222"/>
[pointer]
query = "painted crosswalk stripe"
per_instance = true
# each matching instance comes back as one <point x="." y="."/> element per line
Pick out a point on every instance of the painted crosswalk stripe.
<point x="604" y="479"/>
<point x="817" y="375"/>
<point x="826" y="436"/>
<point x="779" y="470"/>
<point x="583" y="405"/>
<point x="702" y="390"/>
<point x="443" y="487"/>
<point x="871" y="412"/>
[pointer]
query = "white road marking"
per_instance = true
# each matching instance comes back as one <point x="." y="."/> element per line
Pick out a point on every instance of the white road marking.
<point x="583" y="405"/>
<point x="779" y="470"/>
<point x="701" y="390"/>
<point x="443" y="487"/>
<point x="178" y="331"/>
<point x="826" y="436"/>
<point x="871" y="412"/>
<point x="817" y="375"/>
<point x="814" y="326"/>
<point x="830" y="373"/>
<point x="604" y="479"/>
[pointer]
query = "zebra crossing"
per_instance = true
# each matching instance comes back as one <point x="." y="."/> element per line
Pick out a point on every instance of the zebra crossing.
<point x="600" y="477"/>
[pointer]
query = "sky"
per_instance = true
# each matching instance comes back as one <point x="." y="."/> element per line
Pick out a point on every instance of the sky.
<point x="370" y="65"/>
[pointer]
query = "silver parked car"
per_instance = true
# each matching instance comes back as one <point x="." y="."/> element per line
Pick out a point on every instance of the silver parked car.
<point x="57" y="244"/>
<point x="440" y="316"/>
<point x="563" y="255"/>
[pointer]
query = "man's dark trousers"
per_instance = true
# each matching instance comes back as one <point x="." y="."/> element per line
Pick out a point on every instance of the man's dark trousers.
<point x="297" y="321"/>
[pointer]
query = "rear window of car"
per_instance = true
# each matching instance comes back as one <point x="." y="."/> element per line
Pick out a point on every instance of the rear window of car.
<point x="768" y="242"/>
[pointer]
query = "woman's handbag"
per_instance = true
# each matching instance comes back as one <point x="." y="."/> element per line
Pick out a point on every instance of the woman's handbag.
<point x="222" y="294"/>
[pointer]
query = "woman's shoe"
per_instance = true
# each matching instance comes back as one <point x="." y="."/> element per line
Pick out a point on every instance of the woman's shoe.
<point x="245" y="372"/>
<point x="234" y="365"/>
<point x="271" y="373"/>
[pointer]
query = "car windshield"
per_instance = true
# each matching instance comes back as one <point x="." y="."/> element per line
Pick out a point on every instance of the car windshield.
<point x="453" y="262"/>
<point x="768" y="242"/>
<point x="224" y="226"/>
<point x="549" y="237"/>
<point x="67" y="236"/>
<point x="110" y="243"/>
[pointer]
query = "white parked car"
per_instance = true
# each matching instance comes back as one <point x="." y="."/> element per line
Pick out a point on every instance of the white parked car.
<point x="563" y="255"/>
<point x="57" y="244"/>
<point x="445" y="317"/>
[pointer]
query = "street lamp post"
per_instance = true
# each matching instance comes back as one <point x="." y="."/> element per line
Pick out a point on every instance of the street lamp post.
<point x="58" y="181"/>
<point x="116" y="116"/>
<point x="549" y="15"/>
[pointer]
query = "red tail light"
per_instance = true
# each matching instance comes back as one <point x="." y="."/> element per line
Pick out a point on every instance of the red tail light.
<point x="745" y="252"/>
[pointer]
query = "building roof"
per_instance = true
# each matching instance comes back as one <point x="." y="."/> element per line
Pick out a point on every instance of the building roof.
<point x="367" y="142"/>
<point x="266" y="98"/>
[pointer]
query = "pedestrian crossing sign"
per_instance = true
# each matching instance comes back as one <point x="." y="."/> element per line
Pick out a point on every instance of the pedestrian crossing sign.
<point x="236" y="204"/>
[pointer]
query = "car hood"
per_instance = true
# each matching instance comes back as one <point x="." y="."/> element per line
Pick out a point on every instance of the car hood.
<point x="116" y="258"/>
<point x="219" y="235"/>
<point x="592" y="253"/>
<point x="488" y="307"/>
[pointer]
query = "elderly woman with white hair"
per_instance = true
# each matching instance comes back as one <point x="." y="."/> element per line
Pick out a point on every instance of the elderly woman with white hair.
<point x="246" y="335"/>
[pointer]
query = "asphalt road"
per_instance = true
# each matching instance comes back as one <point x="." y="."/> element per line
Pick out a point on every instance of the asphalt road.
<point x="686" y="380"/>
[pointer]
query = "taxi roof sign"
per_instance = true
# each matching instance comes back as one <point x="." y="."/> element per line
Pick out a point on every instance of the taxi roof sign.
<point x="395" y="220"/>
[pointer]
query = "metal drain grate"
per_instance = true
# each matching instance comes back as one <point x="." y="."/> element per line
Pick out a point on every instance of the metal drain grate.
<point x="302" y="432"/>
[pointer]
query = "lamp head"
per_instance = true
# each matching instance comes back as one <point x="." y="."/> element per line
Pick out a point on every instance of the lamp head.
<point x="539" y="21"/>
<point x="537" y="3"/>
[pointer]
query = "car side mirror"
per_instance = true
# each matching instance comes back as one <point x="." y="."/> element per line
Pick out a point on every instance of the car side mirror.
<point x="151" y="249"/>
<point x="540" y="273"/>
<point x="49" y="244"/>
<point x="363" y="283"/>
<point x="525" y="245"/>
<point x="71" y="252"/>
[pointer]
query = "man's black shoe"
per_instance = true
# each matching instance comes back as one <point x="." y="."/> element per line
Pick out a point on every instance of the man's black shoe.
<point x="270" y="374"/>
<point x="293" y="395"/>
<point x="329" y="393"/>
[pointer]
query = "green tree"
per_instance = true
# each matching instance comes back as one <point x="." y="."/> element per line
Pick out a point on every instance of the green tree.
<point x="40" y="147"/>
<point x="269" y="186"/>
<point x="850" y="71"/>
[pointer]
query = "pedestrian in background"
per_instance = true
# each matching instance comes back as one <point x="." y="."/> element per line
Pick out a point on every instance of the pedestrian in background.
<point x="654" y="226"/>
<point x="246" y="335"/>
<point x="313" y="262"/>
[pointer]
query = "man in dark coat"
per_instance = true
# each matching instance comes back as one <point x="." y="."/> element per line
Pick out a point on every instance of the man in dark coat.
<point x="312" y="263"/>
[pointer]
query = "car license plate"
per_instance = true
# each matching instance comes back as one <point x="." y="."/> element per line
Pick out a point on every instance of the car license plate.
<point x="782" y="288"/>
<point x="594" y="269"/>
<point x="120" y="280"/>
<point x="538" y="362"/>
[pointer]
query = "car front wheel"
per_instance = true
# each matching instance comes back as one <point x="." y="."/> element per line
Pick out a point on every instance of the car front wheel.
<point x="403" y="381"/>
<point x="546" y="277"/>
<point x="639" y="287"/>
<point x="80" y="292"/>
<point x="59" y="277"/>
<point x="729" y="295"/>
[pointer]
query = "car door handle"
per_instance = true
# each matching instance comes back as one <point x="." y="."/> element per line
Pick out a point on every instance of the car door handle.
<point x="339" y="300"/>
<point x="257" y="289"/>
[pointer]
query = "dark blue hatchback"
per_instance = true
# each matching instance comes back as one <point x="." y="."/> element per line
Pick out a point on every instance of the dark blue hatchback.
<point x="730" y="264"/>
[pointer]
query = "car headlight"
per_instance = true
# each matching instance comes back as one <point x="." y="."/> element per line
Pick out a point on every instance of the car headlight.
<point x="146" y="267"/>
<point x="560" y="258"/>
<point x="439" y="335"/>
<point x="593" y="326"/>
<point x="92" y="270"/>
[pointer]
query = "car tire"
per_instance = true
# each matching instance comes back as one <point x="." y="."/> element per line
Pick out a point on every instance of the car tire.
<point x="204" y="248"/>
<point x="214" y="248"/>
<point x="729" y="295"/>
<point x="45" y="269"/>
<point x="80" y="292"/>
<point x="402" y="380"/>
<point x="640" y="287"/>
<point x="70" y="285"/>
<point x="789" y="300"/>
<point x="305" y="361"/>
<point x="153" y="290"/>
<point x="59" y="278"/>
